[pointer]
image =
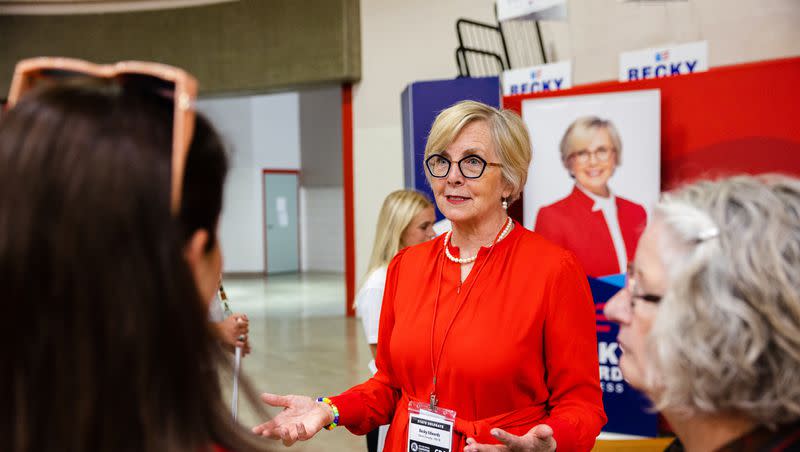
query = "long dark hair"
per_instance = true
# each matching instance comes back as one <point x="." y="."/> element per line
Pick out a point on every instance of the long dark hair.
<point x="206" y="168"/>
<point x="107" y="339"/>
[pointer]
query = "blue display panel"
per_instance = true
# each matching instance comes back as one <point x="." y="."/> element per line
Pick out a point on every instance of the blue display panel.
<point x="627" y="409"/>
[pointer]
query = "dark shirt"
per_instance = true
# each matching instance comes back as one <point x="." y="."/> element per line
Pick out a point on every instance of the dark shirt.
<point x="785" y="439"/>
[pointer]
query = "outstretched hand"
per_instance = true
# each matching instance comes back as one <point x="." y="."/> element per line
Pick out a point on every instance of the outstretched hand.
<point x="538" y="439"/>
<point x="302" y="417"/>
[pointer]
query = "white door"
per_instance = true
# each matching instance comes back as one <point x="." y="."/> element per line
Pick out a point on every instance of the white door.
<point x="280" y="212"/>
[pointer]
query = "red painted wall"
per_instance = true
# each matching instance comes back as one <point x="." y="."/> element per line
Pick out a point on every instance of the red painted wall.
<point x="349" y="211"/>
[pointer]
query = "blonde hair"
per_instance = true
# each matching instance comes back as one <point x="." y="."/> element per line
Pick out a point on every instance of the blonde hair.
<point x="511" y="140"/>
<point x="727" y="335"/>
<point x="398" y="209"/>
<point x="582" y="130"/>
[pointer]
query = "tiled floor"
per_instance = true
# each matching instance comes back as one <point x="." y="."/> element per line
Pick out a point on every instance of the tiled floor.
<point x="302" y="344"/>
<point x="295" y="295"/>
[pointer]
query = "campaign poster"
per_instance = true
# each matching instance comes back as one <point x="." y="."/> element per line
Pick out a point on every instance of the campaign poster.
<point x="595" y="173"/>
<point x="629" y="411"/>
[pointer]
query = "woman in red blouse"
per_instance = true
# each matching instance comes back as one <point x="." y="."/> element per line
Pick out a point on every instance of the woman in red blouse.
<point x="491" y="321"/>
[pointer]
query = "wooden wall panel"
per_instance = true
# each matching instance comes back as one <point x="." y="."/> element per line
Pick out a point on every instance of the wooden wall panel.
<point x="246" y="46"/>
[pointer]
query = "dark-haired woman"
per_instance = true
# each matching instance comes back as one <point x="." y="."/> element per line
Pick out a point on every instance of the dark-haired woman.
<point x="113" y="351"/>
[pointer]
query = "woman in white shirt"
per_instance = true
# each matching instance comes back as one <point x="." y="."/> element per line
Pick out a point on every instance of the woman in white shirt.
<point x="406" y="219"/>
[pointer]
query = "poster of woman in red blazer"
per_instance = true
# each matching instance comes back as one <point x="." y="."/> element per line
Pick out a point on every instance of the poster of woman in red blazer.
<point x="602" y="229"/>
<point x="599" y="224"/>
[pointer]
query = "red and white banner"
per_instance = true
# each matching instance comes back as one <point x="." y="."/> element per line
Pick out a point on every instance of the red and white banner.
<point x="664" y="61"/>
<point x="537" y="79"/>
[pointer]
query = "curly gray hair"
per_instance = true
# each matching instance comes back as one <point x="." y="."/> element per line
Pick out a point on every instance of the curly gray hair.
<point x="727" y="335"/>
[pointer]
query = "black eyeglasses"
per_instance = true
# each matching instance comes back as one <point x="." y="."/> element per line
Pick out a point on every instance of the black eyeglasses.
<point x="630" y="284"/>
<point x="470" y="166"/>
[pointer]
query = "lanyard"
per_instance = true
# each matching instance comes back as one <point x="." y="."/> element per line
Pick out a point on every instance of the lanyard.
<point x="435" y="361"/>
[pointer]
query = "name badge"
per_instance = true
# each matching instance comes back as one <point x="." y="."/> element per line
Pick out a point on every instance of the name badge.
<point x="429" y="431"/>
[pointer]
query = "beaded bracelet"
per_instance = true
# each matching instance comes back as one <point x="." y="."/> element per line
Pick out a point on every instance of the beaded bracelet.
<point x="335" y="410"/>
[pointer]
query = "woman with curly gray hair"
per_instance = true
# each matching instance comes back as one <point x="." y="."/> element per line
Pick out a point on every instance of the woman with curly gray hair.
<point x="710" y="315"/>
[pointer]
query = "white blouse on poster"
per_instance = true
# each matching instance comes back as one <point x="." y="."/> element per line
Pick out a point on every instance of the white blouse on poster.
<point x="609" y="208"/>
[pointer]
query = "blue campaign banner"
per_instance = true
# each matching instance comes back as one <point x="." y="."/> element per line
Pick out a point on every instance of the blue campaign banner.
<point x="627" y="409"/>
<point x="421" y="102"/>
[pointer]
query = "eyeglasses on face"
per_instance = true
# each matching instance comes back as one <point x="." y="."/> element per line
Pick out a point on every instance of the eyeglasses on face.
<point x="471" y="166"/>
<point x="145" y="78"/>
<point x="630" y="284"/>
<point x="601" y="154"/>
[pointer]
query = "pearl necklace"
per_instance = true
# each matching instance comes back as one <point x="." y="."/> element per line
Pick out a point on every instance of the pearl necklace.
<point x="468" y="260"/>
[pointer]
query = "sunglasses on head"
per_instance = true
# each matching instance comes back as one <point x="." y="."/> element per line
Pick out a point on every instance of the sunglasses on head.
<point x="158" y="79"/>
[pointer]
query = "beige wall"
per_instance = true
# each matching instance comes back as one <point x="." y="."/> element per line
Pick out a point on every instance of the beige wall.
<point x="414" y="40"/>
<point x="737" y="30"/>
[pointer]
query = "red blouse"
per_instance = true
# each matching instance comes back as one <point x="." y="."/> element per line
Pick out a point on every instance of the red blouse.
<point x="521" y="351"/>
